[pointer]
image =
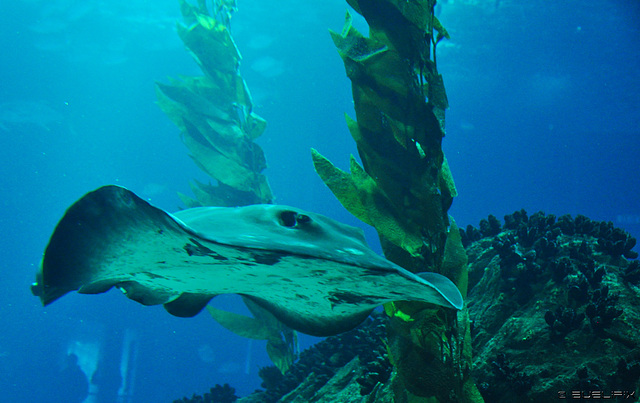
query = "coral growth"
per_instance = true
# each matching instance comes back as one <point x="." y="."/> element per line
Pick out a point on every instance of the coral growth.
<point x="602" y="310"/>
<point x="490" y="226"/>
<point x="563" y="321"/>
<point x="519" y="270"/>
<point x="469" y="236"/>
<point x="555" y="271"/>
<point x="506" y="380"/>
<point x="327" y="357"/>
<point x="616" y="242"/>
<point x="628" y="373"/>
<point x="217" y="394"/>
<point x="631" y="274"/>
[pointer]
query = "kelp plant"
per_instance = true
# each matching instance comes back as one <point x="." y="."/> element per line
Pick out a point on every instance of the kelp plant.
<point x="214" y="112"/>
<point x="217" y="124"/>
<point x="404" y="187"/>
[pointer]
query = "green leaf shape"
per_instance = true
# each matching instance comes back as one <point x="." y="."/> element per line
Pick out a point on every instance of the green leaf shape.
<point x="226" y="102"/>
<point x="415" y="11"/>
<point x="226" y="164"/>
<point x="455" y="260"/>
<point x="211" y="44"/>
<point x="218" y="195"/>
<point x="218" y="133"/>
<point x="367" y="59"/>
<point x="353" y="45"/>
<point x="437" y="94"/>
<point x="442" y="32"/>
<point x="243" y="326"/>
<point x="362" y="197"/>
<point x="255" y="126"/>
<point x="282" y="342"/>
<point x="446" y="180"/>
<point x="184" y="93"/>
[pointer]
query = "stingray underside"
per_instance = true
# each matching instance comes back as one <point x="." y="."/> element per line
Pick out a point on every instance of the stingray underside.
<point x="112" y="238"/>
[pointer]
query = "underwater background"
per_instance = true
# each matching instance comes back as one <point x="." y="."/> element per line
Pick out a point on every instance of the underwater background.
<point x="544" y="115"/>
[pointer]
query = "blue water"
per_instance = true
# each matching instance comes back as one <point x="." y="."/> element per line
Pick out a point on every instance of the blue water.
<point x="544" y="115"/>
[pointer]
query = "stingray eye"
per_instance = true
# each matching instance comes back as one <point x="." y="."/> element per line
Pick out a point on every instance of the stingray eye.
<point x="292" y="219"/>
<point x="303" y="219"/>
<point x="288" y="218"/>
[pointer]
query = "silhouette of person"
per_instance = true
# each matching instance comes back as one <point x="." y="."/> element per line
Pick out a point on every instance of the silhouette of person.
<point x="71" y="384"/>
<point x="107" y="376"/>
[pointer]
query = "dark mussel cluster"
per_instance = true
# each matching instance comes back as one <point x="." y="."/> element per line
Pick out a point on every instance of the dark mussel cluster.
<point x="544" y="229"/>
<point x="217" y="394"/>
<point x="581" y="276"/>
<point x="505" y="373"/>
<point x="626" y="375"/>
<point x="534" y="248"/>
<point x="563" y="321"/>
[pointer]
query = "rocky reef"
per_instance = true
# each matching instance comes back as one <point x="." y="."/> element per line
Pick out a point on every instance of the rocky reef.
<point x="217" y="394"/>
<point x="554" y="306"/>
<point x="349" y="364"/>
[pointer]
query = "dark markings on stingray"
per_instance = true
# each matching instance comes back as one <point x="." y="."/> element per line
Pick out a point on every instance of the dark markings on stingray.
<point x="162" y="262"/>
<point x="154" y="276"/>
<point x="339" y="297"/>
<point x="198" y="249"/>
<point x="304" y="297"/>
<point x="310" y="256"/>
<point x="375" y="271"/>
<point x="266" y="257"/>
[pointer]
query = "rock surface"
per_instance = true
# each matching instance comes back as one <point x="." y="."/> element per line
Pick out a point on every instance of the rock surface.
<point x="554" y="305"/>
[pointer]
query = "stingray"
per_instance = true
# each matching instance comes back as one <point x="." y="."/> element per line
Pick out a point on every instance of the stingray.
<point x="316" y="275"/>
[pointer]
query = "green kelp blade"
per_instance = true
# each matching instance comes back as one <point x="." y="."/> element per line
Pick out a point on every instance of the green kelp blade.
<point x="262" y="327"/>
<point x="230" y="171"/>
<point x="212" y="46"/>
<point x="244" y="326"/>
<point x="255" y="126"/>
<point x="362" y="197"/>
<point x="194" y="102"/>
<point x="280" y="354"/>
<point x="447" y="183"/>
<point x="455" y="261"/>
<point x="282" y="346"/>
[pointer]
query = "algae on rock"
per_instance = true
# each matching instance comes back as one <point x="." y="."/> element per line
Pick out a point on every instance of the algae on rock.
<point x="578" y="327"/>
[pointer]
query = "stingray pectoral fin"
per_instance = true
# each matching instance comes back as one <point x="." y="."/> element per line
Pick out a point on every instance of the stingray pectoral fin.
<point x="112" y="238"/>
<point x="448" y="294"/>
<point x="188" y="305"/>
<point x="309" y="322"/>
<point x="143" y="294"/>
<point x="97" y="287"/>
<point x="312" y="273"/>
